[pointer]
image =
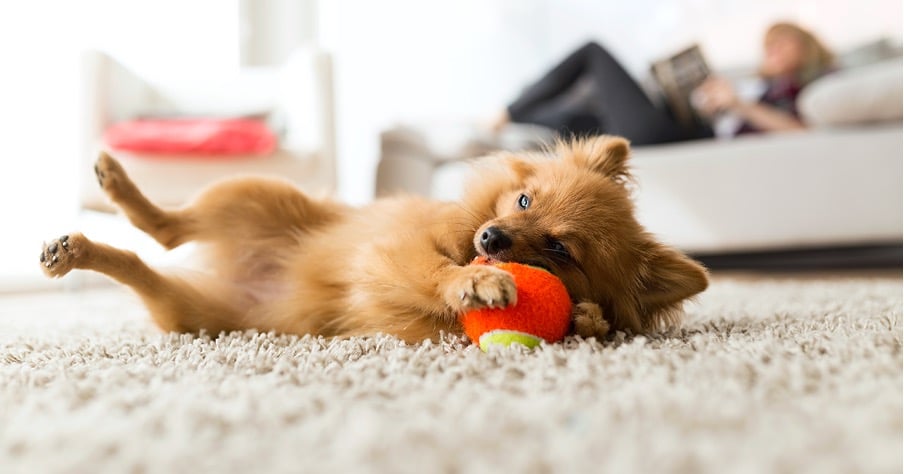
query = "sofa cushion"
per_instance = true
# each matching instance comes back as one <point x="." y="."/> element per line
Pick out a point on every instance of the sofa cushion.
<point x="871" y="52"/>
<point x="866" y="94"/>
<point x="202" y="137"/>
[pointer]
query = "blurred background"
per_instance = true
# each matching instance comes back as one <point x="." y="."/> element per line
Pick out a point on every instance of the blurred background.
<point x="344" y="84"/>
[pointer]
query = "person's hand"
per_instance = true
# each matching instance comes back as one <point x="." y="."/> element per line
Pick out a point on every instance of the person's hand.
<point x="714" y="95"/>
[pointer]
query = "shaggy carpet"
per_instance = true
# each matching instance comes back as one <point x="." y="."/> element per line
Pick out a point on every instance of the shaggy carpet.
<point x="768" y="374"/>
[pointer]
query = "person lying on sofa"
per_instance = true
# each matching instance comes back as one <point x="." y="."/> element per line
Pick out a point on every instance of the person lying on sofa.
<point x="607" y="100"/>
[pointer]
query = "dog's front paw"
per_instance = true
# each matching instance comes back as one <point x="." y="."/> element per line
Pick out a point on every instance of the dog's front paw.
<point x="480" y="286"/>
<point x="588" y="320"/>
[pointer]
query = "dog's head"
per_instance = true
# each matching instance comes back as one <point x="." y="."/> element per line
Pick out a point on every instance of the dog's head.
<point x="572" y="214"/>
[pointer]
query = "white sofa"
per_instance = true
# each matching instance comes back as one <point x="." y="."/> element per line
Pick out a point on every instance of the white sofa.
<point x="825" y="187"/>
<point x="297" y="97"/>
<point x="837" y="184"/>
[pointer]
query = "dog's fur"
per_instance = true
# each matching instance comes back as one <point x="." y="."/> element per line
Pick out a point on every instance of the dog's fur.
<point x="279" y="260"/>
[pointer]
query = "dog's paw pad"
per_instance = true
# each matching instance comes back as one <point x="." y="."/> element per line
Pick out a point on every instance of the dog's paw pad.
<point x="485" y="287"/>
<point x="109" y="173"/>
<point x="100" y="175"/>
<point x="58" y="257"/>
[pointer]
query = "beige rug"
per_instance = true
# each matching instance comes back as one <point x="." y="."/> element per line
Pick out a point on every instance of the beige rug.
<point x="767" y="375"/>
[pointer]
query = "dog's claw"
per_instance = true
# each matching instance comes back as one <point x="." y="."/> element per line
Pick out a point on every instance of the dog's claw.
<point x="53" y="248"/>
<point x="43" y="257"/>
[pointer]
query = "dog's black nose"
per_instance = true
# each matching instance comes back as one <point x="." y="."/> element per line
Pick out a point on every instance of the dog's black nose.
<point x="494" y="240"/>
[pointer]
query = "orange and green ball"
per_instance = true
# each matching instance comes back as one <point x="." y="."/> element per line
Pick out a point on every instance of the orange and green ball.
<point x="542" y="311"/>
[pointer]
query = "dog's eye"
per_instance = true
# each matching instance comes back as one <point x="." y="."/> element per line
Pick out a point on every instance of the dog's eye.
<point x="557" y="246"/>
<point x="523" y="201"/>
<point x="558" y="250"/>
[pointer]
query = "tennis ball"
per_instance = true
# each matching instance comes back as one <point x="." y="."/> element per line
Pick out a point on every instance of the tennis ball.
<point x="542" y="312"/>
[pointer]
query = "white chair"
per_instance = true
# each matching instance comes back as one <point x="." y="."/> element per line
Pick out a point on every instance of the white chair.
<point x="298" y="94"/>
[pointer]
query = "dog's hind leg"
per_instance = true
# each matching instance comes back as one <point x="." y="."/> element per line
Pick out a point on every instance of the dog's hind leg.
<point x="175" y="304"/>
<point x="238" y="210"/>
<point x="250" y="226"/>
<point x="167" y="227"/>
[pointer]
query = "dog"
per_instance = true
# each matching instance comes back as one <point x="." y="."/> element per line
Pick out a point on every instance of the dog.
<point x="275" y="259"/>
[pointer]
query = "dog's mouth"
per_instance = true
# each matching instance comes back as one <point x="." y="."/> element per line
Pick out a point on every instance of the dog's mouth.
<point x="505" y="257"/>
<point x="495" y="244"/>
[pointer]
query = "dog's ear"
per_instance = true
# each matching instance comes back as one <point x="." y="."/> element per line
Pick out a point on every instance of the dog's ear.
<point x="604" y="154"/>
<point x="667" y="278"/>
<point x="520" y="168"/>
<point x="491" y="177"/>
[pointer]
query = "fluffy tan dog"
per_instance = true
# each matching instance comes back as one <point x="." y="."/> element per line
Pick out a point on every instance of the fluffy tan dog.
<point x="276" y="259"/>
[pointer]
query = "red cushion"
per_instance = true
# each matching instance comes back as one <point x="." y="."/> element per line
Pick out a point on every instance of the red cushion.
<point x="203" y="137"/>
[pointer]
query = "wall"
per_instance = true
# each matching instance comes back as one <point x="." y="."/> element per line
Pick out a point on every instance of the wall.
<point x="396" y="60"/>
<point x="412" y="60"/>
<point x="269" y="30"/>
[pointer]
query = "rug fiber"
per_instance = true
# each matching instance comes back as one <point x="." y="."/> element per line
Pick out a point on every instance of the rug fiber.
<point x="768" y="374"/>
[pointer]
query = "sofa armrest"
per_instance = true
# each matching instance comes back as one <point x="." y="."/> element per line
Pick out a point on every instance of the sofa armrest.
<point x="410" y="155"/>
<point x="404" y="172"/>
<point x="305" y="97"/>
<point x="111" y="91"/>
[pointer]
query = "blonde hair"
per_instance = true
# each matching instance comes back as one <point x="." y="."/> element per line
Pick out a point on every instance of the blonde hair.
<point x="817" y="58"/>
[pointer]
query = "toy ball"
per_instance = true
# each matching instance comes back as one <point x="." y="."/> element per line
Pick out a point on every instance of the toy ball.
<point x="541" y="313"/>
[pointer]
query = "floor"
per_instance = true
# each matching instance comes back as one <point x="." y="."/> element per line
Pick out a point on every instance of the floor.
<point x="768" y="373"/>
